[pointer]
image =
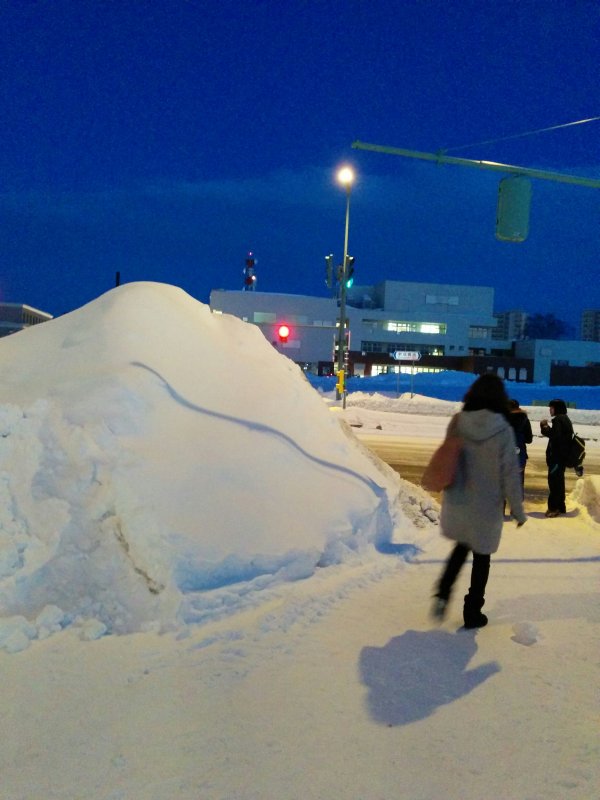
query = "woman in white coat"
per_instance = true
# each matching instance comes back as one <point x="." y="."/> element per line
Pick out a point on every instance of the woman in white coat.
<point x="473" y="507"/>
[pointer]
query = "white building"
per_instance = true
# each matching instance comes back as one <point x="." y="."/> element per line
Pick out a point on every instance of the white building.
<point x="434" y="319"/>
<point x="447" y="324"/>
<point x="311" y="320"/>
<point x="450" y="326"/>
<point x="17" y="316"/>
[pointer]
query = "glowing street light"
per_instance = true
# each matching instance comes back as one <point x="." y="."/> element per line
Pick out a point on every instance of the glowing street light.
<point x="345" y="177"/>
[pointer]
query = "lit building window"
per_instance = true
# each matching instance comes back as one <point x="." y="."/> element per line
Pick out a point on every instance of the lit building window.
<point x="397" y="326"/>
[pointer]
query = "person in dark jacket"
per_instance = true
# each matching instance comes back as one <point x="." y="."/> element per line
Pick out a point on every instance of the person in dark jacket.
<point x="471" y="512"/>
<point x="559" y="433"/>
<point x="523" y="434"/>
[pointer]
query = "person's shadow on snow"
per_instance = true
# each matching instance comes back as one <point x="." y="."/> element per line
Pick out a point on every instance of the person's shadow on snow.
<point x="419" y="671"/>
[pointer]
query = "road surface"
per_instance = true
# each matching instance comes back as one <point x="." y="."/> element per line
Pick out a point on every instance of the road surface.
<point x="409" y="456"/>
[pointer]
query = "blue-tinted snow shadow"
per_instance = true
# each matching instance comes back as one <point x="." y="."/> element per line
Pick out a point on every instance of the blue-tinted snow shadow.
<point x="406" y="551"/>
<point x="419" y="671"/>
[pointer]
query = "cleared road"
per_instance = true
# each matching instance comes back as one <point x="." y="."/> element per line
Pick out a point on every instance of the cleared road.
<point x="409" y="456"/>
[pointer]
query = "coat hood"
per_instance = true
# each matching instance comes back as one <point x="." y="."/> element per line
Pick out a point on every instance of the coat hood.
<point x="480" y="425"/>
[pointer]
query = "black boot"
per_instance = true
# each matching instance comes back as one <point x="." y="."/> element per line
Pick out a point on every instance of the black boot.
<point x="472" y="615"/>
<point x="475" y="599"/>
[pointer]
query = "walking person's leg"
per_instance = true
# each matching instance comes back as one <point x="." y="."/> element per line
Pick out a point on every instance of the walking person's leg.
<point x="453" y="566"/>
<point x="475" y="598"/>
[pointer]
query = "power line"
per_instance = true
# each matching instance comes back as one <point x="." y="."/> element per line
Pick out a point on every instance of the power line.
<point x="521" y="135"/>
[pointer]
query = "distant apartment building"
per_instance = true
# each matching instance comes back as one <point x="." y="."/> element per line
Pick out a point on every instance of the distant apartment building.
<point x="590" y="325"/>
<point x="510" y="325"/>
<point x="17" y="316"/>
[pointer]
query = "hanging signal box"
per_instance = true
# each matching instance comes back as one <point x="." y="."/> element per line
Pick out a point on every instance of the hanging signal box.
<point x="512" y="213"/>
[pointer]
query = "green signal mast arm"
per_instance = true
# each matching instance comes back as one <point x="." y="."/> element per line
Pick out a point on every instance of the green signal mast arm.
<point x="440" y="158"/>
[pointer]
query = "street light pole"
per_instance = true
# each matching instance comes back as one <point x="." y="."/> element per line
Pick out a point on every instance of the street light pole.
<point x="346" y="178"/>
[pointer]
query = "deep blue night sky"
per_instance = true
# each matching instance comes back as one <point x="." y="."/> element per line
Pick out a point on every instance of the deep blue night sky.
<point x="164" y="139"/>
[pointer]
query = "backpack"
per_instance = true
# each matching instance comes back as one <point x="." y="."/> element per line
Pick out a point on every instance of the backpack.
<point x="576" y="452"/>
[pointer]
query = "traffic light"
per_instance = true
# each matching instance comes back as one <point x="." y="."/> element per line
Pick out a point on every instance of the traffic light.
<point x="283" y="331"/>
<point x="340" y="382"/>
<point x="512" y="211"/>
<point x="349" y="271"/>
<point x="249" y="273"/>
<point x="329" y="270"/>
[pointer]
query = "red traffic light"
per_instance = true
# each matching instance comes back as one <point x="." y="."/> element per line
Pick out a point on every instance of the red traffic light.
<point x="283" y="331"/>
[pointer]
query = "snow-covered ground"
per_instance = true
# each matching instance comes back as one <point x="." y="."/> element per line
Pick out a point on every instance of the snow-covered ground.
<point x="210" y="589"/>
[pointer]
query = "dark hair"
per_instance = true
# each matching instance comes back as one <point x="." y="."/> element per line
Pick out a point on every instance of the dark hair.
<point x="487" y="392"/>
<point x="559" y="406"/>
<point x="513" y="404"/>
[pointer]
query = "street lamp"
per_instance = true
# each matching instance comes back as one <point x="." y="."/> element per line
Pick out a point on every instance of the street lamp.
<point x="345" y="177"/>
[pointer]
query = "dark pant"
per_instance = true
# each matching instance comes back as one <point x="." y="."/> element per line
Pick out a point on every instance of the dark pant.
<point x="522" y="471"/>
<point x="556" y="486"/>
<point x="480" y="570"/>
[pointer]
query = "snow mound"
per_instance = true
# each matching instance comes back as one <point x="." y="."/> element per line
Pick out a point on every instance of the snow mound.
<point x="587" y="493"/>
<point x="153" y="453"/>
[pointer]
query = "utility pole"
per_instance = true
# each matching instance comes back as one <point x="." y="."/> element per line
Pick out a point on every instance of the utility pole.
<point x="346" y="178"/>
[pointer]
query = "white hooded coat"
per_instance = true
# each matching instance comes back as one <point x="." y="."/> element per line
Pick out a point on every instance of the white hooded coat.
<point x="488" y="473"/>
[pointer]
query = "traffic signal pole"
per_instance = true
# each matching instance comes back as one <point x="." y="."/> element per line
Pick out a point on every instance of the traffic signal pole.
<point x="441" y="158"/>
<point x="342" y="337"/>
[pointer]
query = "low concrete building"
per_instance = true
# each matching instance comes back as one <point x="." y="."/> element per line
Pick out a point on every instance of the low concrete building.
<point x="17" y="316"/>
<point x="311" y="321"/>
<point x="562" y="363"/>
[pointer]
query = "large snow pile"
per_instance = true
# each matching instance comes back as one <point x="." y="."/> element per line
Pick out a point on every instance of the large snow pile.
<point x="159" y="463"/>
